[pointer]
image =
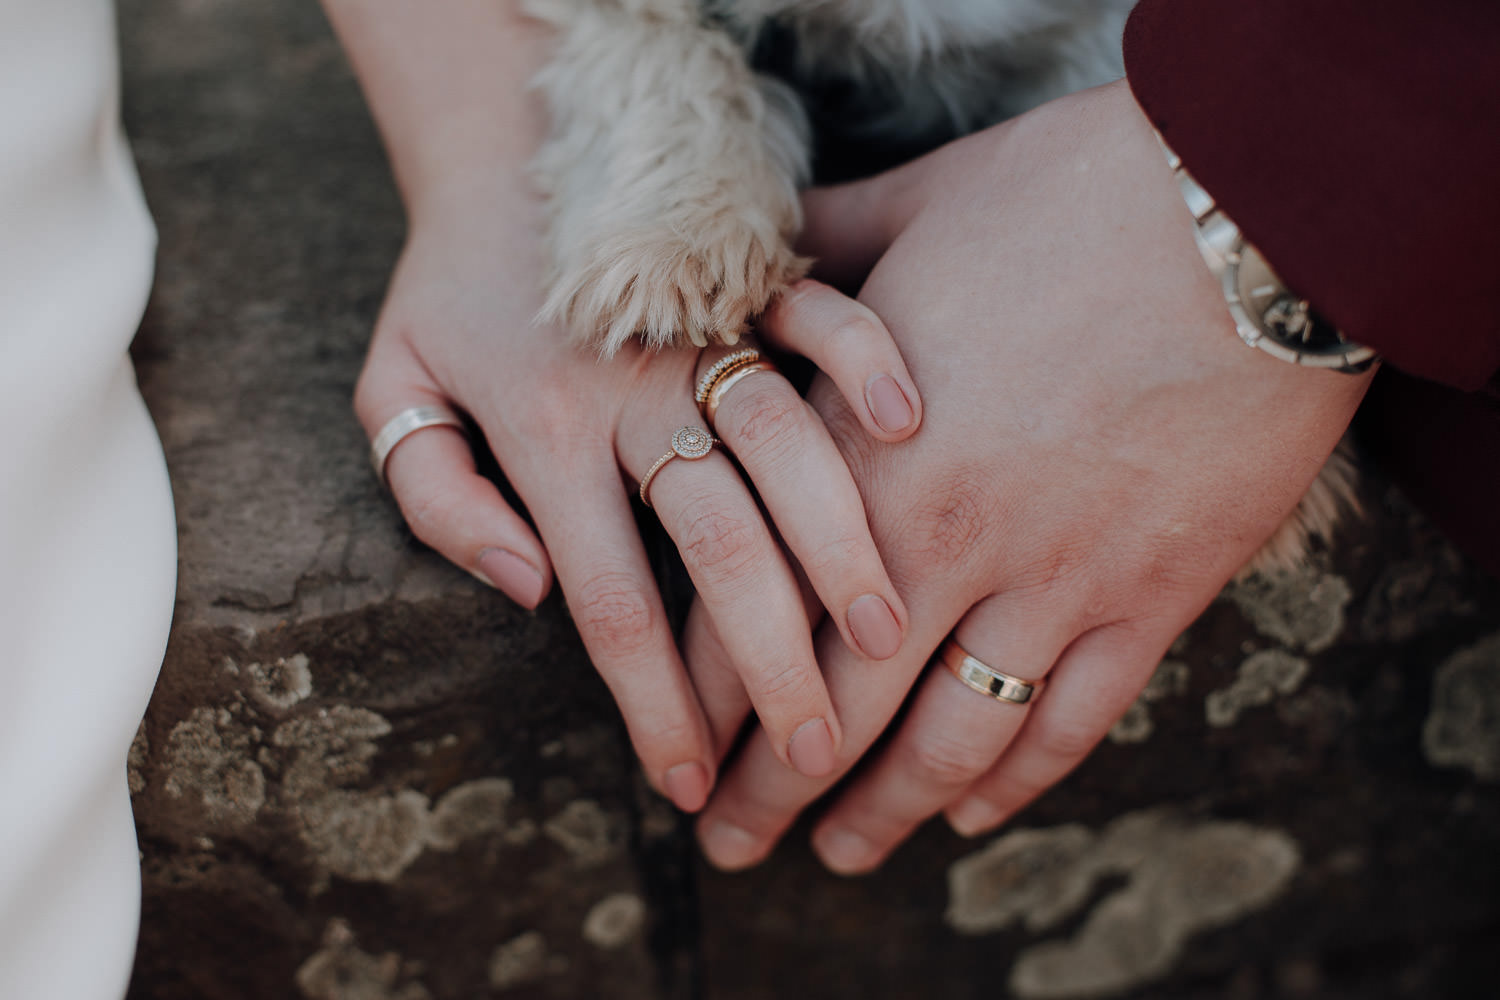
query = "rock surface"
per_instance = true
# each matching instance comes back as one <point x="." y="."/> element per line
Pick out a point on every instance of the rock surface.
<point x="366" y="777"/>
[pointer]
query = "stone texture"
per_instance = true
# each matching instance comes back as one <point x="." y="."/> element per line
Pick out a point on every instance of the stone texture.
<point x="364" y="776"/>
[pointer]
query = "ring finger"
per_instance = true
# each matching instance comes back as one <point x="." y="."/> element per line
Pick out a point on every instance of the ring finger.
<point x="744" y="582"/>
<point x="807" y="488"/>
<point x="955" y="730"/>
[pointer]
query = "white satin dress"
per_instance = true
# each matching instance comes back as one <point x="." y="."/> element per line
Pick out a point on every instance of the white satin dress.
<point x="87" y="543"/>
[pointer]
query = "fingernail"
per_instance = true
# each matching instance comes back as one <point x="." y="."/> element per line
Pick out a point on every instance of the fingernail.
<point x="874" y="627"/>
<point x="727" y="846"/>
<point x="515" y="576"/>
<point x="844" y="851"/>
<point x="974" y="816"/>
<point x="811" y="749"/>
<point x="687" y="786"/>
<point x="889" y="405"/>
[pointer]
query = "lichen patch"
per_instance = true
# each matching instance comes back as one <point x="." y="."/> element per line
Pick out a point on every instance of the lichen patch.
<point x="341" y="971"/>
<point x="586" y="832"/>
<point x="1260" y="679"/>
<point x="364" y="836"/>
<point x="614" y="921"/>
<point x="469" y="810"/>
<point x="1463" y="725"/>
<point x="522" y="960"/>
<point x="1181" y="878"/>
<point x="282" y="683"/>
<point x="208" y="758"/>
<point x="1301" y="608"/>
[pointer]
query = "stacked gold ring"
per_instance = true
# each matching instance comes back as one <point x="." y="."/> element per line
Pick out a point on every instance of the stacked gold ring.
<point x="722" y="376"/>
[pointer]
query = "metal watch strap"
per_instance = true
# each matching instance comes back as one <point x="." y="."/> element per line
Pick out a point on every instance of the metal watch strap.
<point x="1251" y="289"/>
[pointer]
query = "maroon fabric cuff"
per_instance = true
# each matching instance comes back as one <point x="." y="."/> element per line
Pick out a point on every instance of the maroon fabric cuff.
<point x="1357" y="144"/>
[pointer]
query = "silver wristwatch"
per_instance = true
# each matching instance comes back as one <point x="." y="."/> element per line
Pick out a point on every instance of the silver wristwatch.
<point x="1266" y="313"/>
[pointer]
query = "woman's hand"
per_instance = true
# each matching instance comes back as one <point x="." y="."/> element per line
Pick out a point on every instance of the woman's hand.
<point x="457" y="330"/>
<point x="574" y="434"/>
<point x="1099" y="454"/>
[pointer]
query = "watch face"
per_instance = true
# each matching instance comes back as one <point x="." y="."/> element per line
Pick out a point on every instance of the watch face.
<point x="1275" y="320"/>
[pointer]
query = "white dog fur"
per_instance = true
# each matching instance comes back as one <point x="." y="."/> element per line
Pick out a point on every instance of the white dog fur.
<point x="673" y="162"/>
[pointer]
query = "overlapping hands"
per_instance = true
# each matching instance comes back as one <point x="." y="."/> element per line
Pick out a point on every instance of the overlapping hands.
<point x="1097" y="454"/>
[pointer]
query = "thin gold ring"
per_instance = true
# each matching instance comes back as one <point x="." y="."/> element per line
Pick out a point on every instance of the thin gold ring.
<point x="728" y="381"/>
<point x="721" y="368"/>
<point x="984" y="678"/>
<point x="691" y="443"/>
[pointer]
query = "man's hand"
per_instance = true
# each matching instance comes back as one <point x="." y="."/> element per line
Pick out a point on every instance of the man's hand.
<point x="1099" y="454"/>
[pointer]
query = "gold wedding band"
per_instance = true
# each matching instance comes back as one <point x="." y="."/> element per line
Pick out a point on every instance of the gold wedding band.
<point x="691" y="443"/>
<point x="984" y="678"/>
<point x="402" y="426"/>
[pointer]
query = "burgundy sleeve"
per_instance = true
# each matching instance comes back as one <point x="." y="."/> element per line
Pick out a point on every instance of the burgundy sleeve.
<point x="1357" y="144"/>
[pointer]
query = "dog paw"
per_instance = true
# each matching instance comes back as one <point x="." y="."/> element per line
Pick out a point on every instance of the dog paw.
<point x="666" y="289"/>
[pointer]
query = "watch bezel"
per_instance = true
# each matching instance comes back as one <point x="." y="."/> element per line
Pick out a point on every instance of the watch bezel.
<point x="1246" y="273"/>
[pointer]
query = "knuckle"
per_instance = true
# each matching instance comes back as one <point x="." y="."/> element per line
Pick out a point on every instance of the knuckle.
<point x="941" y="760"/>
<point x="666" y="741"/>
<point x="1065" y="741"/>
<point x="429" y="515"/>
<point x="857" y="335"/>
<point x="797" y="299"/>
<point x="838" y="557"/>
<point x="551" y="410"/>
<point x="717" y="543"/>
<point x="766" y="413"/>
<point x="612" y="608"/>
<point x="949" y="522"/>
<point x="788" y="684"/>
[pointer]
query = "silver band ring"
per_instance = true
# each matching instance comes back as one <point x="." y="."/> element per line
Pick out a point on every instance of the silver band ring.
<point x="402" y="426"/>
<point x="691" y="443"/>
<point x="984" y="678"/>
<point x="726" y="382"/>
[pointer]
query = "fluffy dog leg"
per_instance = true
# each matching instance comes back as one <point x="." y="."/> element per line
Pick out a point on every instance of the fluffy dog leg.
<point x="672" y="172"/>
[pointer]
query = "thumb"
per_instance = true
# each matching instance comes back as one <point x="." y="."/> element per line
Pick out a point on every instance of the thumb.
<point x="848" y="227"/>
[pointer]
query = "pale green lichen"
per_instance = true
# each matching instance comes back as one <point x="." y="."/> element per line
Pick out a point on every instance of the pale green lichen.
<point x="614" y="921"/>
<point x="341" y="971"/>
<point x="1260" y="679"/>
<point x="208" y="757"/>
<point x="282" y="683"/>
<point x="470" y="810"/>
<point x="366" y="837"/>
<point x="521" y="960"/>
<point x="1181" y="877"/>
<point x="1463" y="725"/>
<point x="1302" y="608"/>
<point x="1030" y="877"/>
<point x="586" y="832"/>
